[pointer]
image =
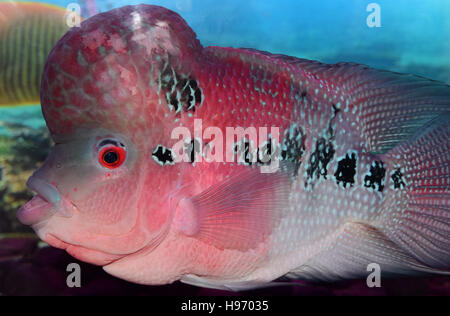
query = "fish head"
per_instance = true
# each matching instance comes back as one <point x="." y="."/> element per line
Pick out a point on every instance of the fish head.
<point x="100" y="194"/>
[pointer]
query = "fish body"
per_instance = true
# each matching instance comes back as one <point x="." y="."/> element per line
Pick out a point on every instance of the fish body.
<point x="28" y="31"/>
<point x="363" y="160"/>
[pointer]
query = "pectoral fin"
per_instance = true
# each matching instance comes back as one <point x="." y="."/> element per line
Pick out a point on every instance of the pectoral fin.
<point x="239" y="212"/>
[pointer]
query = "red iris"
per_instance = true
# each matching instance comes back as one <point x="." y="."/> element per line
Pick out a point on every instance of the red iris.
<point x="112" y="157"/>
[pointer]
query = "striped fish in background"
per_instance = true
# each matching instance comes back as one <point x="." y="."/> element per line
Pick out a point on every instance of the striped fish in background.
<point x="28" y="32"/>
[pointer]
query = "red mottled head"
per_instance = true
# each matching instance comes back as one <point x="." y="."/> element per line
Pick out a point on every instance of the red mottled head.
<point x="105" y="73"/>
<point x="100" y="193"/>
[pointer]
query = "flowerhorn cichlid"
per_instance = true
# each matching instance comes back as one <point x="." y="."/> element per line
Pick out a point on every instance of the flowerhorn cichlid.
<point x="28" y="31"/>
<point x="156" y="174"/>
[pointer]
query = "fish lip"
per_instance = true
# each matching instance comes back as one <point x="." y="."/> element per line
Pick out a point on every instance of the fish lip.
<point x="50" y="194"/>
<point x="32" y="216"/>
<point x="45" y="190"/>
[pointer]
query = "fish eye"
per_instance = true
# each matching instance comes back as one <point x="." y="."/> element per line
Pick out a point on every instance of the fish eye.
<point x="112" y="155"/>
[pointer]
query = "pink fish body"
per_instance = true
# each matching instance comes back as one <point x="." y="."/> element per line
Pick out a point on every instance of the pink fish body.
<point x="363" y="160"/>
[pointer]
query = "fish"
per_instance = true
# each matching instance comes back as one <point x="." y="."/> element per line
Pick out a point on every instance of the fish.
<point x="357" y="168"/>
<point x="28" y="31"/>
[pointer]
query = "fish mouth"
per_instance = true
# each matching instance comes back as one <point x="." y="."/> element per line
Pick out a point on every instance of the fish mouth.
<point x="43" y="205"/>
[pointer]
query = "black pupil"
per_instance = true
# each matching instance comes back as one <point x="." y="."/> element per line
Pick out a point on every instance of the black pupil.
<point x="110" y="157"/>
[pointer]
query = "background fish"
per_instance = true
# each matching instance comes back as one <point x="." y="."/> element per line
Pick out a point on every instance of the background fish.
<point x="364" y="173"/>
<point x="28" y="31"/>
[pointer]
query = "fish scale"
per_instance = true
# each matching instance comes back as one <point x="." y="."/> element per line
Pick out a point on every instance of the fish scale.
<point x="363" y="153"/>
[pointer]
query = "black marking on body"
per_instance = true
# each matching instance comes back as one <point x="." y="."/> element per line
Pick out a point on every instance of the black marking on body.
<point x="265" y="153"/>
<point x="397" y="178"/>
<point x="304" y="94"/>
<point x="323" y="152"/>
<point x="167" y="78"/>
<point x="261" y="156"/>
<point x="330" y="125"/>
<point x="346" y="170"/>
<point x="293" y="147"/>
<point x="192" y="149"/>
<point x="335" y="109"/>
<point x="182" y="93"/>
<point x="163" y="155"/>
<point x="375" y="178"/>
<point x="243" y="155"/>
<point x="319" y="159"/>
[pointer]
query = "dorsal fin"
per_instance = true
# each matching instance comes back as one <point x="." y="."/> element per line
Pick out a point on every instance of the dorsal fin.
<point x="389" y="107"/>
